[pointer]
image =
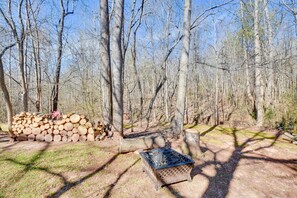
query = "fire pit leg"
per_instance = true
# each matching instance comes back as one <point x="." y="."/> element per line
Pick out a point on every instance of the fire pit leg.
<point x="189" y="178"/>
<point x="157" y="187"/>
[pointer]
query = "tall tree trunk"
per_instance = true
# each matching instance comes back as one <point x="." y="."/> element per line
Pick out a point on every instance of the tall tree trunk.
<point x="19" y="38"/>
<point x="258" y="68"/>
<point x="166" y="92"/>
<point x="117" y="67"/>
<point x="55" y="90"/>
<point x="270" y="83"/>
<point x="34" y="33"/>
<point x="6" y="96"/>
<point x="177" y="123"/>
<point x="106" y="82"/>
<point x="250" y="97"/>
<point x="9" y="110"/>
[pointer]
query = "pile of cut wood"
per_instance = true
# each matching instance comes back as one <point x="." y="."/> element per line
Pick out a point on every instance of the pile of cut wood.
<point x="68" y="128"/>
<point x="290" y="137"/>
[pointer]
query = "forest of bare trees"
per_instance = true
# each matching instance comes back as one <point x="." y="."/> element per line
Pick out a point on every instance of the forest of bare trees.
<point x="141" y="62"/>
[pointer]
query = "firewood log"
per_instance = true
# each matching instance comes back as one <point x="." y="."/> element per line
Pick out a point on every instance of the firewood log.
<point x="57" y="138"/>
<point x="82" y="121"/>
<point x="40" y="137"/>
<point x="49" y="131"/>
<point x="88" y="124"/>
<point x="61" y="127"/>
<point x="91" y="131"/>
<point x="75" y="137"/>
<point x="82" y="130"/>
<point x="75" y="130"/>
<point x="82" y="138"/>
<point x="36" y="131"/>
<point x="48" y="138"/>
<point x="63" y="132"/>
<point x="31" y="137"/>
<point x="68" y="126"/>
<point x="90" y="137"/>
<point x="56" y="132"/>
<point x="74" y="118"/>
<point x="46" y="126"/>
<point x="64" y="139"/>
<point x="133" y="144"/>
<point x="27" y="131"/>
<point x="69" y="133"/>
<point x="22" y="137"/>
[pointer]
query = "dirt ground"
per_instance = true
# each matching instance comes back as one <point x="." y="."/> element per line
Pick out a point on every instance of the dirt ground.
<point x="235" y="163"/>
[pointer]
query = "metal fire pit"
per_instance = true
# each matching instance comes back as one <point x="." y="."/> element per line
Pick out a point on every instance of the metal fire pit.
<point x="166" y="166"/>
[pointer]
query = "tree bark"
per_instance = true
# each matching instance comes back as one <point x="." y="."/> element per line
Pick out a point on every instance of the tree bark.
<point x="106" y="81"/>
<point x="19" y="38"/>
<point x="34" y="33"/>
<point x="55" y="90"/>
<point x="258" y="68"/>
<point x="117" y="67"/>
<point x="6" y="96"/>
<point x="270" y="83"/>
<point x="177" y="123"/>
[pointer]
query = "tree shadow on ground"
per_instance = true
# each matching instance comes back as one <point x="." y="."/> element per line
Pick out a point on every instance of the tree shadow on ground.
<point x="8" y="147"/>
<point x="208" y="130"/>
<point x="219" y="184"/>
<point x="111" y="187"/>
<point x="67" y="185"/>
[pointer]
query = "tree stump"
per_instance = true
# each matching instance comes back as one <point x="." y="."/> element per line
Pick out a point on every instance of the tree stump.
<point x="191" y="143"/>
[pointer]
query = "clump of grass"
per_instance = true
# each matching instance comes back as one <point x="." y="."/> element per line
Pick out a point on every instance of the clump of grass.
<point x="3" y="127"/>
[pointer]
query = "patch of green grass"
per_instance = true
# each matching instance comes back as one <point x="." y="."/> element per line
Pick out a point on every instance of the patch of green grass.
<point x="128" y="126"/>
<point x="3" y="127"/>
<point x="26" y="173"/>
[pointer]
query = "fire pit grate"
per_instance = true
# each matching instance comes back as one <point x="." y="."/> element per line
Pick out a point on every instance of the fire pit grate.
<point x="166" y="166"/>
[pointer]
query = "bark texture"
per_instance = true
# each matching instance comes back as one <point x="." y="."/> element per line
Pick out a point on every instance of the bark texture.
<point x="177" y="123"/>
<point x="117" y="67"/>
<point x="258" y="69"/>
<point x="106" y="83"/>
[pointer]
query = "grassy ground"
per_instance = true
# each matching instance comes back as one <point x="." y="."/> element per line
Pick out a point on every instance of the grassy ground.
<point x="3" y="127"/>
<point x="32" y="169"/>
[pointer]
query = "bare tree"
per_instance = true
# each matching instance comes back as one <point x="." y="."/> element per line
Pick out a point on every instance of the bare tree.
<point x="117" y="66"/>
<point x="34" y="33"/>
<point x="106" y="81"/>
<point x="270" y="80"/>
<point x="64" y="13"/>
<point x="19" y="37"/>
<point x="6" y="96"/>
<point x="177" y="123"/>
<point x="258" y="68"/>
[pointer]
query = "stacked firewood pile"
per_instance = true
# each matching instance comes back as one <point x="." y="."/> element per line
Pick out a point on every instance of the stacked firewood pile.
<point x="68" y="128"/>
